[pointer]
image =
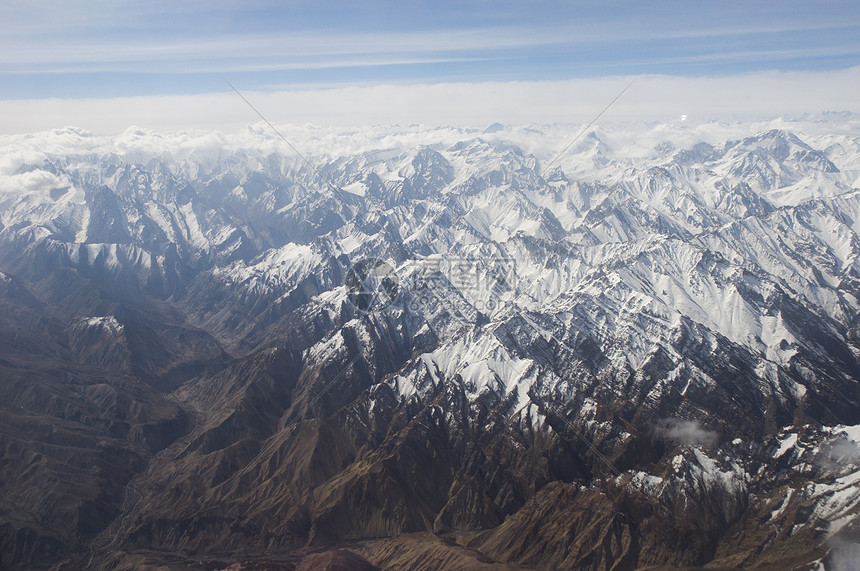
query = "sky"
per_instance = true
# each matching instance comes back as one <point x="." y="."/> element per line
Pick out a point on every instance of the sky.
<point x="108" y="64"/>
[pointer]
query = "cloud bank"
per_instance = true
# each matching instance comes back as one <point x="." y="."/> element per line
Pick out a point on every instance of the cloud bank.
<point x="651" y="98"/>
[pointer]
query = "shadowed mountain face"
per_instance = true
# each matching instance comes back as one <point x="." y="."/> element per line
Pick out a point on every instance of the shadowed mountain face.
<point x="457" y="360"/>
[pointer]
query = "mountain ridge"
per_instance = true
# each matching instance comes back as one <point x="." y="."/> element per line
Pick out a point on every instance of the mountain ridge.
<point x="618" y="363"/>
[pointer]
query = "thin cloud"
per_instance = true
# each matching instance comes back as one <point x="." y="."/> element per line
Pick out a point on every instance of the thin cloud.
<point x="687" y="432"/>
<point x="62" y="54"/>
<point x="839" y="453"/>
<point x="296" y="44"/>
<point x="750" y="55"/>
<point x="227" y="66"/>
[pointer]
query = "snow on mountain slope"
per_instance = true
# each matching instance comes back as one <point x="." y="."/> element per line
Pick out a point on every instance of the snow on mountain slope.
<point x="668" y="311"/>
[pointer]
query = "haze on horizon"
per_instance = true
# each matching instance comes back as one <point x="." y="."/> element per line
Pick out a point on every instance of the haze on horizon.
<point x="108" y="65"/>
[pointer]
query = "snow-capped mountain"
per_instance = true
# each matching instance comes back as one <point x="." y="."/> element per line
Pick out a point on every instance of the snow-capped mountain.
<point x="444" y="346"/>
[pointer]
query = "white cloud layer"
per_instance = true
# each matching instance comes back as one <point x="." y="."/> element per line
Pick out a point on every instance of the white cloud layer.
<point x="651" y="98"/>
<point x="31" y="181"/>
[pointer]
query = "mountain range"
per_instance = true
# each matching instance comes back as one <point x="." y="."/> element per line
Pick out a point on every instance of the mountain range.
<point x="419" y="348"/>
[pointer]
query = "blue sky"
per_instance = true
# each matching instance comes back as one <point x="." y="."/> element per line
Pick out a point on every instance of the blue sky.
<point x="101" y="49"/>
